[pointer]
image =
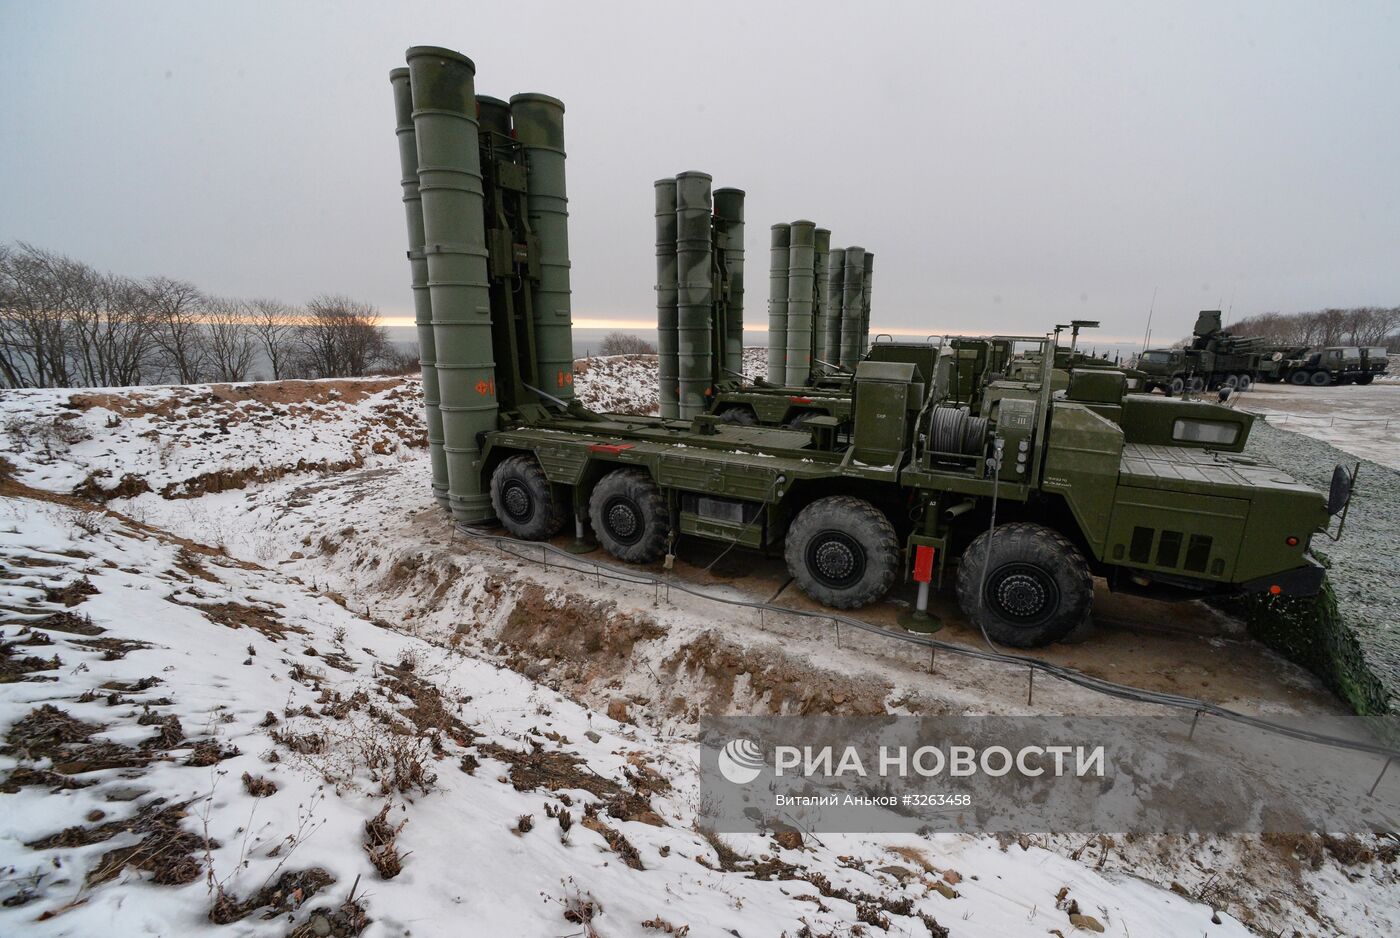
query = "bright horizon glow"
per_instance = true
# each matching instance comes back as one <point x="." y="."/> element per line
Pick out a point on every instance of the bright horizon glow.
<point x="1089" y="338"/>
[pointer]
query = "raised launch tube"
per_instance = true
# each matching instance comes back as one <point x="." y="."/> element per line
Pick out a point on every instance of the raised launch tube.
<point x="418" y="267"/>
<point x="493" y="115"/>
<point x="853" y="293"/>
<point x="538" y="122"/>
<point x="667" y="347"/>
<point x="835" y="296"/>
<point x="695" y="290"/>
<point x="802" y="238"/>
<point x="449" y="183"/>
<point x="778" y="303"/>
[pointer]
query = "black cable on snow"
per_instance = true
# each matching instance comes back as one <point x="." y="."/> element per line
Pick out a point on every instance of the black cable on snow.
<point x="604" y="570"/>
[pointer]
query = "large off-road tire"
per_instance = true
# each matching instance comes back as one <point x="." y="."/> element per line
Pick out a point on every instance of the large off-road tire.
<point x="1196" y="384"/>
<point x="1365" y="379"/>
<point x="799" y="420"/>
<point x="1232" y="381"/>
<point x="842" y="551"/>
<point x="524" y="500"/>
<point x="1176" y="385"/>
<point x="742" y="416"/>
<point x="1320" y="379"/>
<point x="629" y="516"/>
<point x="1245" y="383"/>
<point x="1038" y="586"/>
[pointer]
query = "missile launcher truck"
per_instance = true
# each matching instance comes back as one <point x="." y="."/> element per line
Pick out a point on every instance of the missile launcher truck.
<point x="700" y="312"/>
<point x="1014" y="497"/>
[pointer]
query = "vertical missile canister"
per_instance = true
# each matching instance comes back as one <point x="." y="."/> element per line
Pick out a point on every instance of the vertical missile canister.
<point x="853" y="295"/>
<point x="835" y="296"/>
<point x="777" y="303"/>
<point x="821" y="248"/>
<point x="493" y="115"/>
<point x="866" y="280"/>
<point x="454" y="229"/>
<point x="694" y="291"/>
<point x="729" y="213"/>
<point x="538" y="122"/>
<point x="802" y="238"/>
<point x="667" y="343"/>
<point x="418" y="267"/>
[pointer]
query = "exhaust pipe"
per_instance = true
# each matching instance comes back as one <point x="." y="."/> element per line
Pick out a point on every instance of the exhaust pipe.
<point x="667" y="347"/>
<point x="695" y="290"/>
<point x="443" y="94"/>
<point x="418" y="267"/>
<point x="802" y="240"/>
<point x="538" y="121"/>
<point x="778" y="304"/>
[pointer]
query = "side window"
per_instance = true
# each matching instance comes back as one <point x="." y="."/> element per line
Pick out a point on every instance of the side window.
<point x="1205" y="431"/>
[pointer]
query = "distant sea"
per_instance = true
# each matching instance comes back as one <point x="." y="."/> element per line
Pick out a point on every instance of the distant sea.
<point x="587" y="341"/>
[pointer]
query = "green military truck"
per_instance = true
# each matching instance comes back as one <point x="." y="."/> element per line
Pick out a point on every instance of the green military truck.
<point x="1150" y="493"/>
<point x="1213" y="358"/>
<point x="1070" y="358"/>
<point x="1011" y="494"/>
<point x="1348" y="364"/>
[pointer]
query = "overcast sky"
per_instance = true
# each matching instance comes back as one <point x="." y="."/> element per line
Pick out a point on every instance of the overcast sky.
<point x="1009" y="164"/>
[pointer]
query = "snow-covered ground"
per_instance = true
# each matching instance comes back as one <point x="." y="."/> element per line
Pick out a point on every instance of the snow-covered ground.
<point x="296" y="596"/>
<point x="626" y="384"/>
<point x="1357" y="419"/>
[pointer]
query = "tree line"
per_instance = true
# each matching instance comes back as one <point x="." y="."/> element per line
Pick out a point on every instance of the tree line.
<point x="65" y="324"/>
<point x="1363" y="325"/>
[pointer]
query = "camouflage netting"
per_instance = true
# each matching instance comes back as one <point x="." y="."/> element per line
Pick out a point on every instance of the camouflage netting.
<point x="1349" y="635"/>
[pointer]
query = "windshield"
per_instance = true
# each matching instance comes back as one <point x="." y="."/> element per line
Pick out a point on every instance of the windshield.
<point x="1156" y="358"/>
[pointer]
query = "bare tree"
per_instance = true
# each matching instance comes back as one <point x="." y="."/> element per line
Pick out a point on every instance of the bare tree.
<point x="231" y="346"/>
<point x="179" y="333"/>
<point x="620" y="343"/>
<point x="35" y="302"/>
<point x="274" y="325"/>
<point x="113" y="319"/>
<point x="340" y="337"/>
<point x="1365" y="325"/>
<point x="399" y="361"/>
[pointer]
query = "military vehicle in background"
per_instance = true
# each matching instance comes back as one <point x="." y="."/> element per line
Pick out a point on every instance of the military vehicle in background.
<point x="1069" y="358"/>
<point x="1335" y="365"/>
<point x="818" y="328"/>
<point x="1274" y="361"/>
<point x="1212" y="359"/>
<point x="1014" y="495"/>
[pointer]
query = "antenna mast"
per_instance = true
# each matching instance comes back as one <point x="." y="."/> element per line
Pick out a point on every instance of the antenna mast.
<point x="1147" y="334"/>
